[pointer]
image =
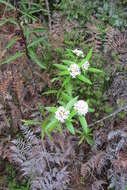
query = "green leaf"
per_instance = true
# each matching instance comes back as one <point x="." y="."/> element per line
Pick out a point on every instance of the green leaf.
<point x="43" y="127"/>
<point x="64" y="73"/>
<point x="81" y="140"/>
<point x="66" y="81"/>
<point x="72" y="114"/>
<point x="66" y="97"/>
<point x="39" y="30"/>
<point x="84" y="79"/>
<point x="71" y="103"/>
<point x="87" y="58"/>
<point x="49" y="92"/>
<point x="94" y="70"/>
<point x="7" y="4"/>
<point x="84" y="124"/>
<point x="51" y="126"/>
<point x="12" y="58"/>
<point x="10" y="20"/>
<point x="27" y="33"/>
<point x="55" y="79"/>
<point x="51" y="109"/>
<point x="69" y="87"/>
<point x="36" y="42"/>
<point x="60" y="66"/>
<point x="11" y="43"/>
<point x="89" y="140"/>
<point x="27" y="15"/>
<point x="68" y="62"/>
<point x="91" y="110"/>
<point x="89" y="55"/>
<point x="35" y="58"/>
<point x="30" y="122"/>
<point x="70" y="127"/>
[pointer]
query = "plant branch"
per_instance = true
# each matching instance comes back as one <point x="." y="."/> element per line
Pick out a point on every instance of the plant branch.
<point x="124" y="108"/>
<point x="49" y="15"/>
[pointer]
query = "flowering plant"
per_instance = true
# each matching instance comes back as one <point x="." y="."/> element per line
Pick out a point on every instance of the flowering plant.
<point x="71" y="111"/>
<point x="77" y="67"/>
<point x="67" y="115"/>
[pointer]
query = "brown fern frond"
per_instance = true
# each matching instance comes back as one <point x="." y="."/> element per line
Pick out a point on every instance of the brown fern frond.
<point x="117" y="40"/>
<point x="39" y="163"/>
<point x="57" y="31"/>
<point x="93" y="35"/>
<point x="4" y="124"/>
<point x="98" y="185"/>
<point x="14" y="111"/>
<point x="96" y="164"/>
<point x="18" y="86"/>
<point x="5" y="82"/>
<point x="118" y="88"/>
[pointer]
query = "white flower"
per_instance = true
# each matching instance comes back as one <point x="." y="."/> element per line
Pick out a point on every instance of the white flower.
<point x="74" y="70"/>
<point x="81" y="107"/>
<point x="86" y="65"/>
<point x="61" y="114"/>
<point x="78" y="52"/>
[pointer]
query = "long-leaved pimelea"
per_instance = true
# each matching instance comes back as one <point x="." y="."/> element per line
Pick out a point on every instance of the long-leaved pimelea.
<point x="77" y="67"/>
<point x="70" y="111"/>
<point x="73" y="111"/>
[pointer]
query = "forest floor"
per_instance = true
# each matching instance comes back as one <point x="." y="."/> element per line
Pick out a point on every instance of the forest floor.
<point x="22" y="85"/>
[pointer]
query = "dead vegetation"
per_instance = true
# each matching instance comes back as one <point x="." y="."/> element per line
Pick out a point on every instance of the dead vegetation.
<point x="60" y="163"/>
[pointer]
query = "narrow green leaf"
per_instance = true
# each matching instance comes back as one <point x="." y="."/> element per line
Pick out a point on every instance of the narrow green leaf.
<point x="91" y="110"/>
<point x="27" y="15"/>
<point x="66" y="82"/>
<point x="36" y="42"/>
<point x="84" y="124"/>
<point x="68" y="62"/>
<point x="89" y="55"/>
<point x="12" y="58"/>
<point x="81" y="140"/>
<point x="35" y="58"/>
<point x="94" y="70"/>
<point x="51" y="126"/>
<point x="49" y="92"/>
<point x="65" y="96"/>
<point x="71" y="103"/>
<point x="11" y="43"/>
<point x="26" y="33"/>
<point x="70" y="127"/>
<point x="64" y="73"/>
<point x="10" y="20"/>
<point x="84" y="79"/>
<point x="87" y="58"/>
<point x="30" y="122"/>
<point x="51" y="109"/>
<point x="55" y="79"/>
<point x="43" y="127"/>
<point x="72" y="114"/>
<point x="7" y="4"/>
<point x="89" y="140"/>
<point x="39" y="30"/>
<point x="60" y="66"/>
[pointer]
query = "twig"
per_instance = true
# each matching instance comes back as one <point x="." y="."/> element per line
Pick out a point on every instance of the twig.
<point x="124" y="108"/>
<point x="29" y="60"/>
<point x="49" y="15"/>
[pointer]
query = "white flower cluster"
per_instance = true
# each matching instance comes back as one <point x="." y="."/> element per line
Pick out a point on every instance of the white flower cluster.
<point x="61" y="114"/>
<point x="78" y="52"/>
<point x="74" y="70"/>
<point x="81" y="107"/>
<point x="86" y="65"/>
